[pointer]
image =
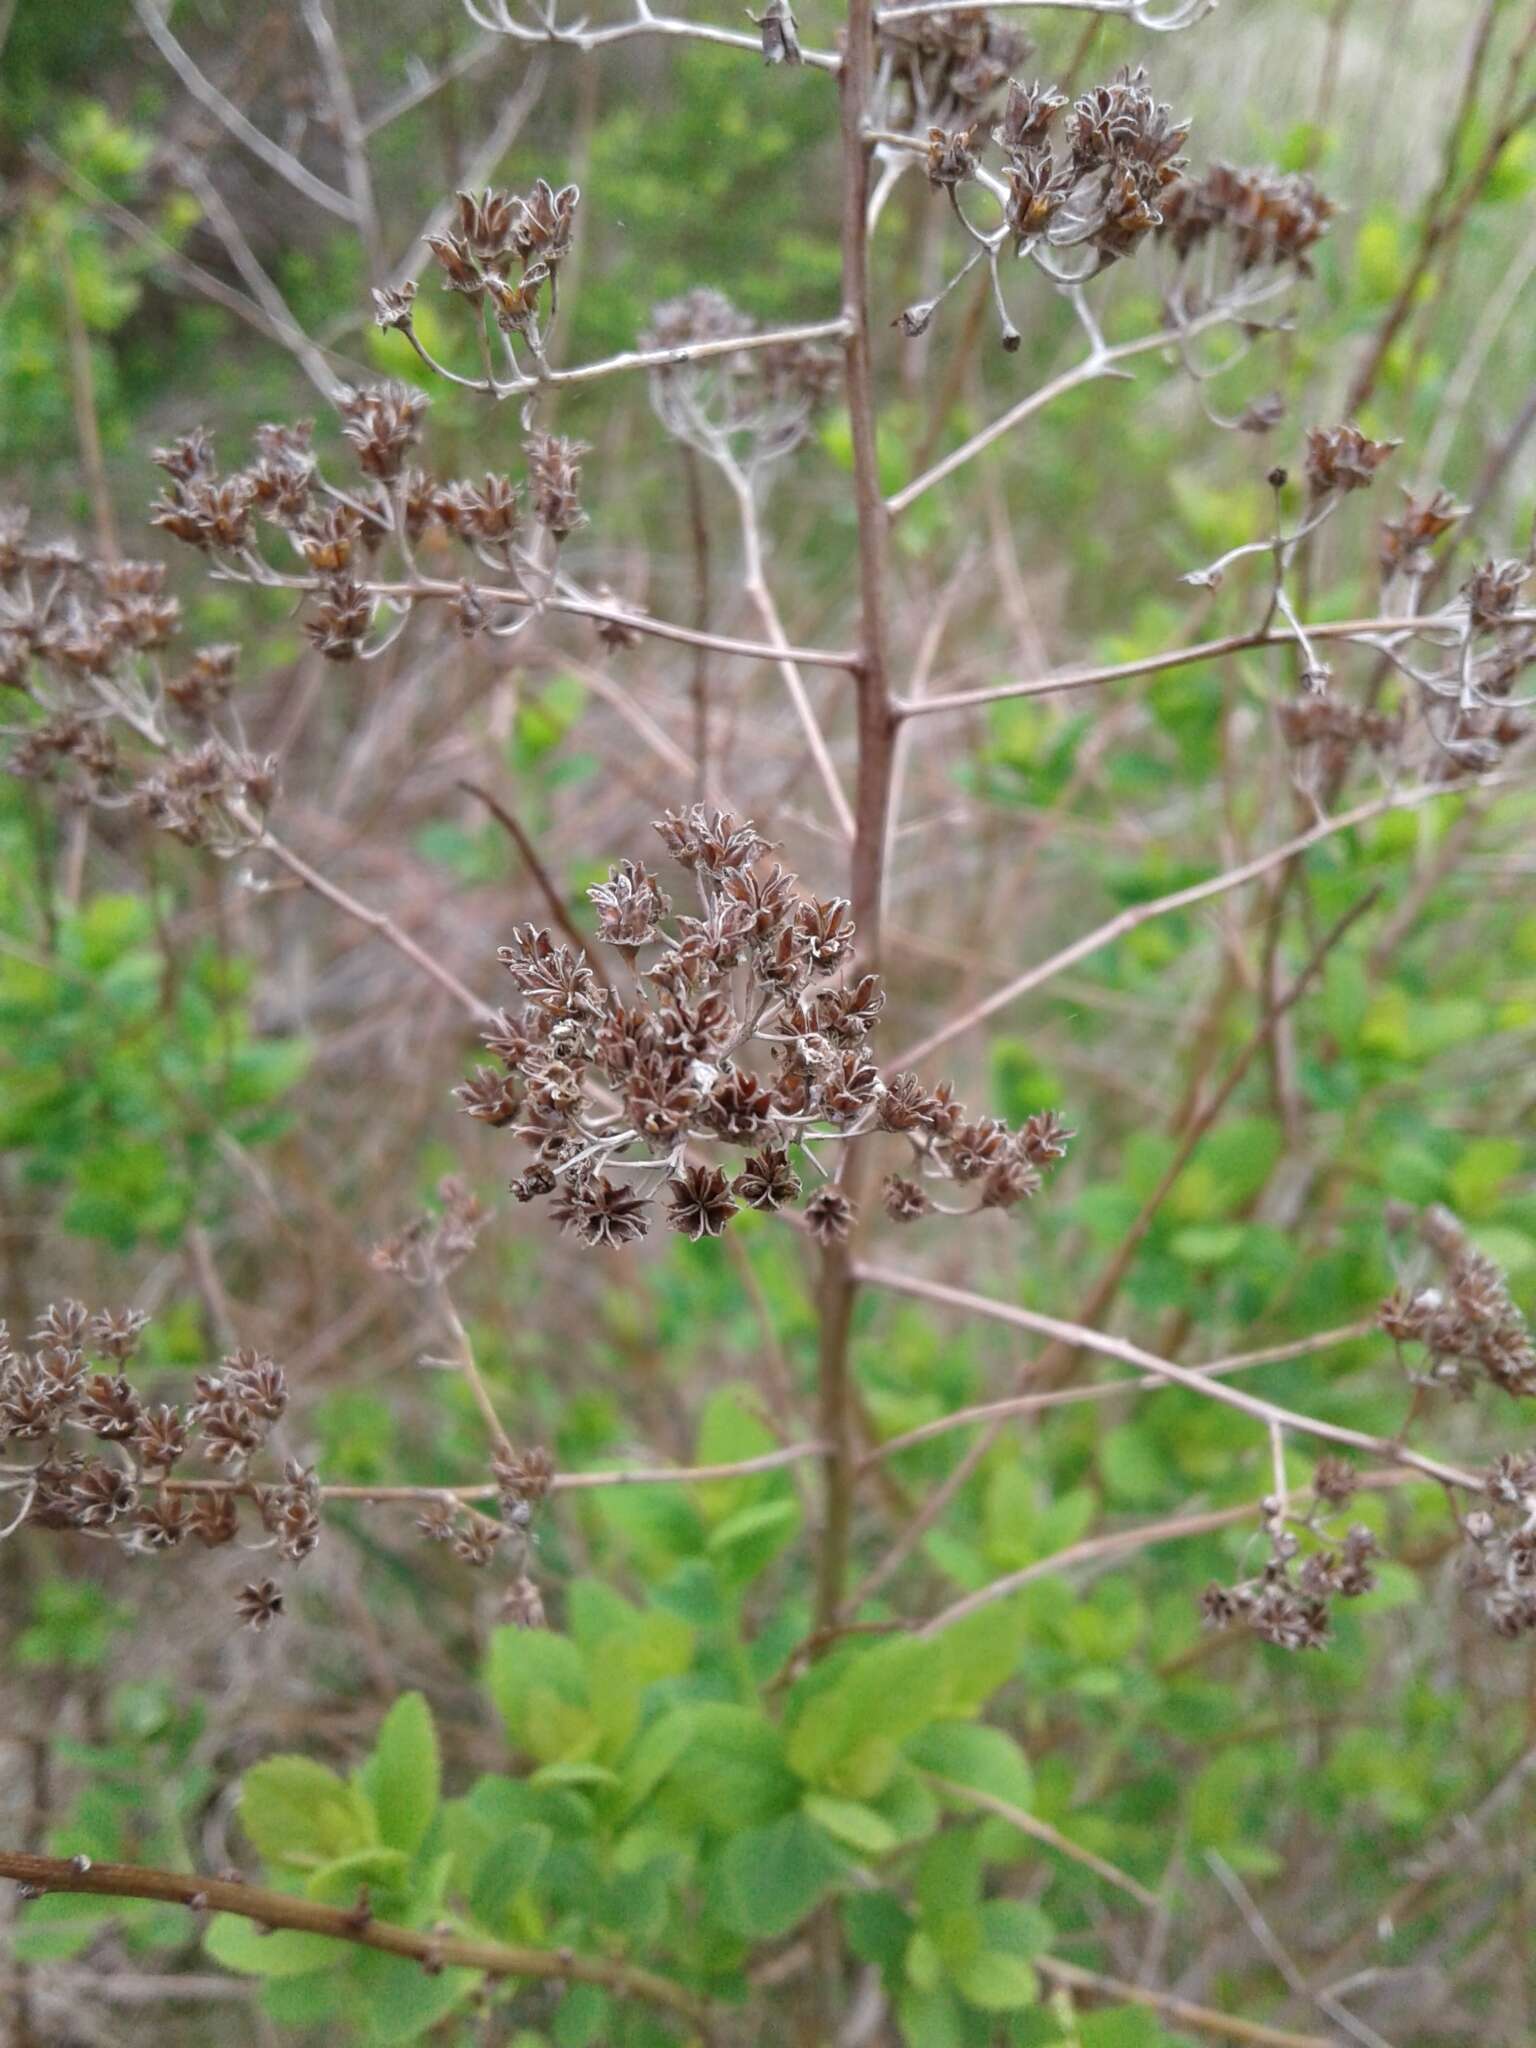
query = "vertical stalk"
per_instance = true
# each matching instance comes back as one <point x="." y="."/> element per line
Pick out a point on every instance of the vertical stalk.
<point x="876" y="713"/>
<point x="876" y="760"/>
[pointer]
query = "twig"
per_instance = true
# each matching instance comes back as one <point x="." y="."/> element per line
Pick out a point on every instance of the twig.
<point x="349" y="132"/>
<point x="1253" y="2033"/>
<point x="207" y="94"/>
<point x="377" y="921"/>
<point x="755" y="583"/>
<point x="1182" y="899"/>
<point x="1120" y="1543"/>
<point x="543" y="880"/>
<point x="1101" y="363"/>
<point x="1177" y="657"/>
<point x="1107" y="1346"/>
<point x="1068" y="1397"/>
<point x="1042" y="1831"/>
<point x="344" y="1923"/>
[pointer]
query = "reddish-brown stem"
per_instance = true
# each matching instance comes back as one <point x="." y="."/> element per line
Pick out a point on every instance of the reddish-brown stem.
<point x="344" y="1923"/>
<point x="542" y="879"/>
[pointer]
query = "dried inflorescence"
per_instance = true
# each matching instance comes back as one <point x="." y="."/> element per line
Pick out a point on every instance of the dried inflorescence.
<point x="1287" y="1602"/>
<point x="943" y="68"/>
<point x="87" y="1452"/>
<point x="524" y="1479"/>
<point x="621" y="1101"/>
<point x="1406" y="541"/>
<point x="86" y="647"/>
<point x="1092" y="173"/>
<point x="1086" y="182"/>
<point x="749" y="405"/>
<point x="503" y="252"/>
<point x="339" y="537"/>
<point x="434" y="1244"/>
<point x="1265" y="219"/>
<point x="1468" y="1324"/>
<point x="1328" y="734"/>
<point x="1342" y="459"/>
<point x="1499" y="1564"/>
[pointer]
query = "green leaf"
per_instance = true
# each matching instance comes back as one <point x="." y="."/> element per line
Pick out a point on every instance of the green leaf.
<point x="509" y="1866"/>
<point x="983" y="1759"/>
<point x="240" y="1945"/>
<point x="714" y="1765"/>
<point x="996" y="1983"/>
<point x="538" y="1680"/>
<point x="931" y="2019"/>
<point x="845" y="1820"/>
<point x="300" y="1815"/>
<point x="846" y="1732"/>
<point x="769" y="1878"/>
<point x="878" y="1929"/>
<point x="381" y="1871"/>
<point x="404" y="1775"/>
<point x="400" y="2001"/>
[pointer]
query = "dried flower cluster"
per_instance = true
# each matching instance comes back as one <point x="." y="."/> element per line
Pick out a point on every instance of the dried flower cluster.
<point x="87" y="1453"/>
<point x="435" y="1244"/>
<point x="1288" y="1601"/>
<point x="1500" y="1561"/>
<point x="1342" y="459"/>
<point x="946" y="68"/>
<point x="86" y="648"/>
<point x="501" y="254"/>
<point x="751" y="406"/>
<point x="1265" y="219"/>
<point x="1085" y="182"/>
<point x="1328" y="733"/>
<point x="524" y="1479"/>
<point x="1461" y="663"/>
<point x="1406" y="541"/>
<point x="621" y="1101"/>
<point x="1468" y="1324"/>
<point x="335" y="536"/>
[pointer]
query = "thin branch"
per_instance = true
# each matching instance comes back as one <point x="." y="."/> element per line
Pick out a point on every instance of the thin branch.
<point x="501" y="1443"/>
<point x="410" y="97"/>
<point x="350" y="1924"/>
<point x="1101" y="363"/>
<point x="585" y="41"/>
<point x="1069" y="1397"/>
<point x="1252" y="2033"/>
<point x="306" y="352"/>
<point x="1178" y="657"/>
<point x="1042" y="1831"/>
<point x="543" y="880"/>
<point x="207" y="94"/>
<point x="425" y="588"/>
<point x="377" y="921"/>
<point x="669" y="358"/>
<point x="1187" y="1376"/>
<point x="1121" y="1543"/>
<point x="349" y="132"/>
<point x="1182" y="899"/>
<point x="755" y="583"/>
<point x="562" y="1482"/>
<point x="204" y="282"/>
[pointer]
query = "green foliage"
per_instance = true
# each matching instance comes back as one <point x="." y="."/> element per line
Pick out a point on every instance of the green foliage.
<point x="127" y="1075"/>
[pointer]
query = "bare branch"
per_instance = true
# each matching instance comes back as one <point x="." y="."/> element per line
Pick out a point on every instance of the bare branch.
<point x="344" y="1923"/>
<point x="1100" y="363"/>
<point x="207" y="94"/>
<point x="1181" y="899"/>
<point x="1190" y="1377"/>
<point x="1122" y="1543"/>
